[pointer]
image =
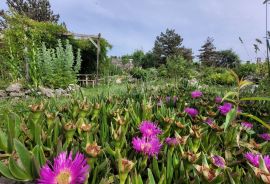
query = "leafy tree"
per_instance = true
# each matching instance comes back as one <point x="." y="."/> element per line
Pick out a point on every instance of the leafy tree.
<point x="227" y="58"/>
<point x="246" y="69"/>
<point x="186" y="53"/>
<point x="137" y="57"/>
<point x="39" y="10"/>
<point x="149" y="60"/>
<point x="208" y="55"/>
<point x="177" y="67"/>
<point x="166" y="45"/>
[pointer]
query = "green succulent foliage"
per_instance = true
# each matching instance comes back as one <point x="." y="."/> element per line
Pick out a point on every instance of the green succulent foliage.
<point x="103" y="128"/>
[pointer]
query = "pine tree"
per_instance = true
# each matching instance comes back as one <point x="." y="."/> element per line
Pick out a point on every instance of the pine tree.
<point x="166" y="45"/>
<point x="208" y="55"/>
<point x="39" y="10"/>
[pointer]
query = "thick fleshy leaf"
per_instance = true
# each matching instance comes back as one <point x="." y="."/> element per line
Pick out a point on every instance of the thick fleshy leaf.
<point x="24" y="156"/>
<point x="229" y="118"/>
<point x="151" y="178"/>
<point x="18" y="172"/>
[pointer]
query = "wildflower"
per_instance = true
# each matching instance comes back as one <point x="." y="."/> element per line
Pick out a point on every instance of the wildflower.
<point x="265" y="136"/>
<point x="159" y="103"/>
<point x="172" y="141"/>
<point x="65" y="170"/>
<point x="267" y="161"/>
<point x="224" y="109"/>
<point x="209" y="121"/>
<point x="218" y="99"/>
<point x="196" y="94"/>
<point x="168" y="99"/>
<point x="191" y="111"/>
<point x="247" y="125"/>
<point x="254" y="159"/>
<point x="149" y="129"/>
<point x="148" y="146"/>
<point x="176" y="141"/>
<point x="218" y="161"/>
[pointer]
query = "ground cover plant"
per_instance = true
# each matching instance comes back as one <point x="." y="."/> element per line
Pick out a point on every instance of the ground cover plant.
<point x="150" y="134"/>
<point x="161" y="116"/>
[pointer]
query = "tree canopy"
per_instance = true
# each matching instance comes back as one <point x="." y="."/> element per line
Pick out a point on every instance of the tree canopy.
<point x="208" y="55"/>
<point x="39" y="10"/>
<point x="169" y="44"/>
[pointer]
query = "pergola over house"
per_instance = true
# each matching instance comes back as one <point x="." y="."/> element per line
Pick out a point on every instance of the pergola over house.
<point x="95" y="40"/>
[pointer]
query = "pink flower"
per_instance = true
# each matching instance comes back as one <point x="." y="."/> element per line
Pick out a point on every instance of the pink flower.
<point x="196" y="94"/>
<point x="191" y="111"/>
<point x="218" y="99"/>
<point x="218" y="161"/>
<point x="254" y="159"/>
<point x="159" y="103"/>
<point x="148" y="146"/>
<point x="149" y="129"/>
<point x="209" y="121"/>
<point x="267" y="161"/>
<point x="168" y="99"/>
<point x="265" y="136"/>
<point x="247" y="125"/>
<point x="65" y="170"/>
<point x="172" y="141"/>
<point x="224" y="109"/>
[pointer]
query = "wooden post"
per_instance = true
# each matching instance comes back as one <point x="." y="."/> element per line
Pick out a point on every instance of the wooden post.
<point x="86" y="80"/>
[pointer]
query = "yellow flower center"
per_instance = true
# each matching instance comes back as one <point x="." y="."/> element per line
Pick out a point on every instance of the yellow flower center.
<point x="63" y="177"/>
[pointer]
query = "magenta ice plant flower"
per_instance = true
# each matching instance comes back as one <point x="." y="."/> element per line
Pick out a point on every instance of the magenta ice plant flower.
<point x="148" y="146"/>
<point x="196" y="94"/>
<point x="224" y="109"/>
<point x="172" y="141"/>
<point x="209" y="121"/>
<point x="218" y="99"/>
<point x="265" y="136"/>
<point x="149" y="129"/>
<point x="159" y="103"/>
<point x="267" y="161"/>
<point x="168" y="99"/>
<point x="65" y="170"/>
<point x="247" y="125"/>
<point x="218" y="161"/>
<point x="254" y="159"/>
<point x="191" y="111"/>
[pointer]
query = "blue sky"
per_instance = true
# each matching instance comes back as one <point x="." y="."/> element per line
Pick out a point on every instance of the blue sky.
<point x="134" y="24"/>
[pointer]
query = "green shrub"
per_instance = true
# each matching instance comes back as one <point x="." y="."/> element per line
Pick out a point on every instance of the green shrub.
<point x="246" y="69"/>
<point x="21" y="39"/>
<point x="58" y="67"/>
<point x="222" y="78"/>
<point x="139" y="73"/>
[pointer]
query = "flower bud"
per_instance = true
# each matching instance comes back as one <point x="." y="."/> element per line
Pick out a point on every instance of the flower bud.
<point x="126" y="165"/>
<point x="93" y="149"/>
<point x="209" y="174"/>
